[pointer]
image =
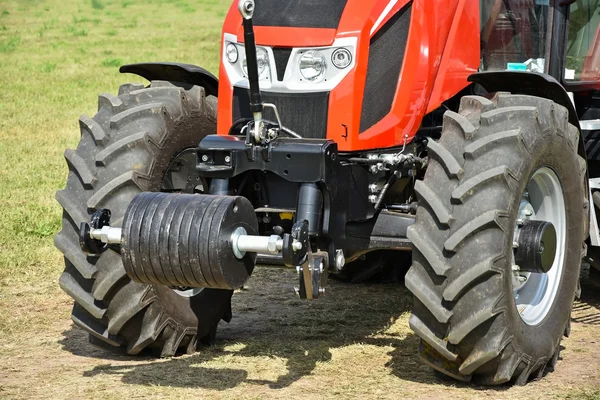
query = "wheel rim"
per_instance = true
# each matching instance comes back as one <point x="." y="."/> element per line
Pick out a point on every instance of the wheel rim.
<point x="543" y="200"/>
<point x="182" y="177"/>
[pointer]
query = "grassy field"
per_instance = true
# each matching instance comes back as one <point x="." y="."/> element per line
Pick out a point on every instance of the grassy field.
<point x="55" y="57"/>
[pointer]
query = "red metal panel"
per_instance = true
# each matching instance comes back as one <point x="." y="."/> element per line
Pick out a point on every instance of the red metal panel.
<point x="442" y="50"/>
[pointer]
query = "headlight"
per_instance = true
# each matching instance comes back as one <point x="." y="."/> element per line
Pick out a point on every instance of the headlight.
<point x="313" y="66"/>
<point x="231" y="52"/>
<point x="341" y="58"/>
<point x="262" y="60"/>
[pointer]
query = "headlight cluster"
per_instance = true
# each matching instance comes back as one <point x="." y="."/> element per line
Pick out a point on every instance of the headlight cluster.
<point x="262" y="61"/>
<point x="313" y="66"/>
<point x="325" y="66"/>
<point x="341" y="58"/>
<point x="232" y="53"/>
<point x="313" y="63"/>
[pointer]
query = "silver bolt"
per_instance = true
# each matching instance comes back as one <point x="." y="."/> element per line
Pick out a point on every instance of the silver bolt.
<point x="528" y="213"/>
<point x="272" y="244"/>
<point x="373" y="198"/>
<point x="373" y="169"/>
<point x="296" y="246"/>
<point x="515" y="245"/>
<point x="520" y="222"/>
<point x="204" y="158"/>
<point x="340" y="260"/>
<point x="373" y="188"/>
<point x="298" y="269"/>
<point x="516" y="268"/>
<point x="227" y="159"/>
<point x="322" y="291"/>
<point x="522" y="278"/>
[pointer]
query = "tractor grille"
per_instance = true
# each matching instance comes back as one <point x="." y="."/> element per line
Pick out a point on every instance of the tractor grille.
<point x="304" y="113"/>
<point x="386" y="54"/>
<point x="282" y="57"/>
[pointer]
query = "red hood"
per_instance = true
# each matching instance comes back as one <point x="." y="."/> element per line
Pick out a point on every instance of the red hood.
<point x="357" y="18"/>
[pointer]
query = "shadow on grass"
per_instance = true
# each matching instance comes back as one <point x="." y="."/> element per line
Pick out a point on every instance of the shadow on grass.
<point x="293" y="335"/>
<point x="270" y="321"/>
<point x="587" y="310"/>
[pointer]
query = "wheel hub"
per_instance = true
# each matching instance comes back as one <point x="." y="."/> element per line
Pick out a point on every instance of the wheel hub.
<point x="539" y="243"/>
<point x="536" y="246"/>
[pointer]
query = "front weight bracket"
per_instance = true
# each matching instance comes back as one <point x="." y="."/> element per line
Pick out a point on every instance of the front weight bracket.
<point x="313" y="276"/>
<point x="293" y="257"/>
<point x="90" y="246"/>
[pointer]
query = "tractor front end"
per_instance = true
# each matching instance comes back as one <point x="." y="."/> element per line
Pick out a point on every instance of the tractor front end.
<point x="338" y="133"/>
<point x="318" y="135"/>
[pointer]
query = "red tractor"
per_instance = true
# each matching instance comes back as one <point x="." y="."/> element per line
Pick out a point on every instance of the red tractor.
<point x="339" y="132"/>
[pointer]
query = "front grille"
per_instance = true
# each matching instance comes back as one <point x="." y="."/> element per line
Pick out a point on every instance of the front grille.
<point x="304" y="113"/>
<point x="282" y="57"/>
<point x="386" y="54"/>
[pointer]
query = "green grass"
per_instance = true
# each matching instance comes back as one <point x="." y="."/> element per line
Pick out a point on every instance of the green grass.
<point x="55" y="57"/>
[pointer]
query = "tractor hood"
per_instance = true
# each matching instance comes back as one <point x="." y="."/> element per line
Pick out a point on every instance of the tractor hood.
<point x="309" y="23"/>
<point x="388" y="63"/>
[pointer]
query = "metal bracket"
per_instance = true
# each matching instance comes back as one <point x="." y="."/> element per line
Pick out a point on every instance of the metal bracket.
<point x="88" y="244"/>
<point x="313" y="275"/>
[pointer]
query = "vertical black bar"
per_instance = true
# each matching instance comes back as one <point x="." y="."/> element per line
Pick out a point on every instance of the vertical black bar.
<point x="252" y="65"/>
<point x="558" y="49"/>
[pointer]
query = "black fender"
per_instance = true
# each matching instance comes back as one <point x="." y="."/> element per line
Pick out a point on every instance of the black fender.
<point x="532" y="84"/>
<point x="175" y="72"/>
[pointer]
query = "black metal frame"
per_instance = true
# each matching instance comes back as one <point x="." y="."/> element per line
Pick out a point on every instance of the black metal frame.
<point x="349" y="221"/>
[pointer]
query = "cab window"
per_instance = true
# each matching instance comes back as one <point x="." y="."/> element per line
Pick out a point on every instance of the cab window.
<point x="583" y="43"/>
<point x="513" y="34"/>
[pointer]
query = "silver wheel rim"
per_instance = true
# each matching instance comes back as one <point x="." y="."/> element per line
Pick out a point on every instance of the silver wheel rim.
<point x="182" y="177"/>
<point x="543" y="200"/>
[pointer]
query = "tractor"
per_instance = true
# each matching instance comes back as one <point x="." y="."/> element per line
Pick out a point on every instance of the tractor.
<point x="339" y="133"/>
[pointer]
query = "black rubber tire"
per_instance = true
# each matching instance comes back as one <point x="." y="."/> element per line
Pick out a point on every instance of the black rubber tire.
<point x="124" y="150"/>
<point x="464" y="309"/>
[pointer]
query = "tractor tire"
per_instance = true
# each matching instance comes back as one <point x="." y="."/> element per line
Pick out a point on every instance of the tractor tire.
<point x="124" y="150"/>
<point x="462" y="277"/>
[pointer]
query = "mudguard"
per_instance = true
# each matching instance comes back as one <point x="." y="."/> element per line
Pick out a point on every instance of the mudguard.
<point x="530" y="83"/>
<point x="175" y="72"/>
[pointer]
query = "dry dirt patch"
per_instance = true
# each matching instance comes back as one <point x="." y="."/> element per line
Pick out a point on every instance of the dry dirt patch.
<point x="354" y="342"/>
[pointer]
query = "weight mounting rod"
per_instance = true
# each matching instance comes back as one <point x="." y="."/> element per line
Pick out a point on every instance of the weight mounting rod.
<point x="241" y="243"/>
<point x="246" y="8"/>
